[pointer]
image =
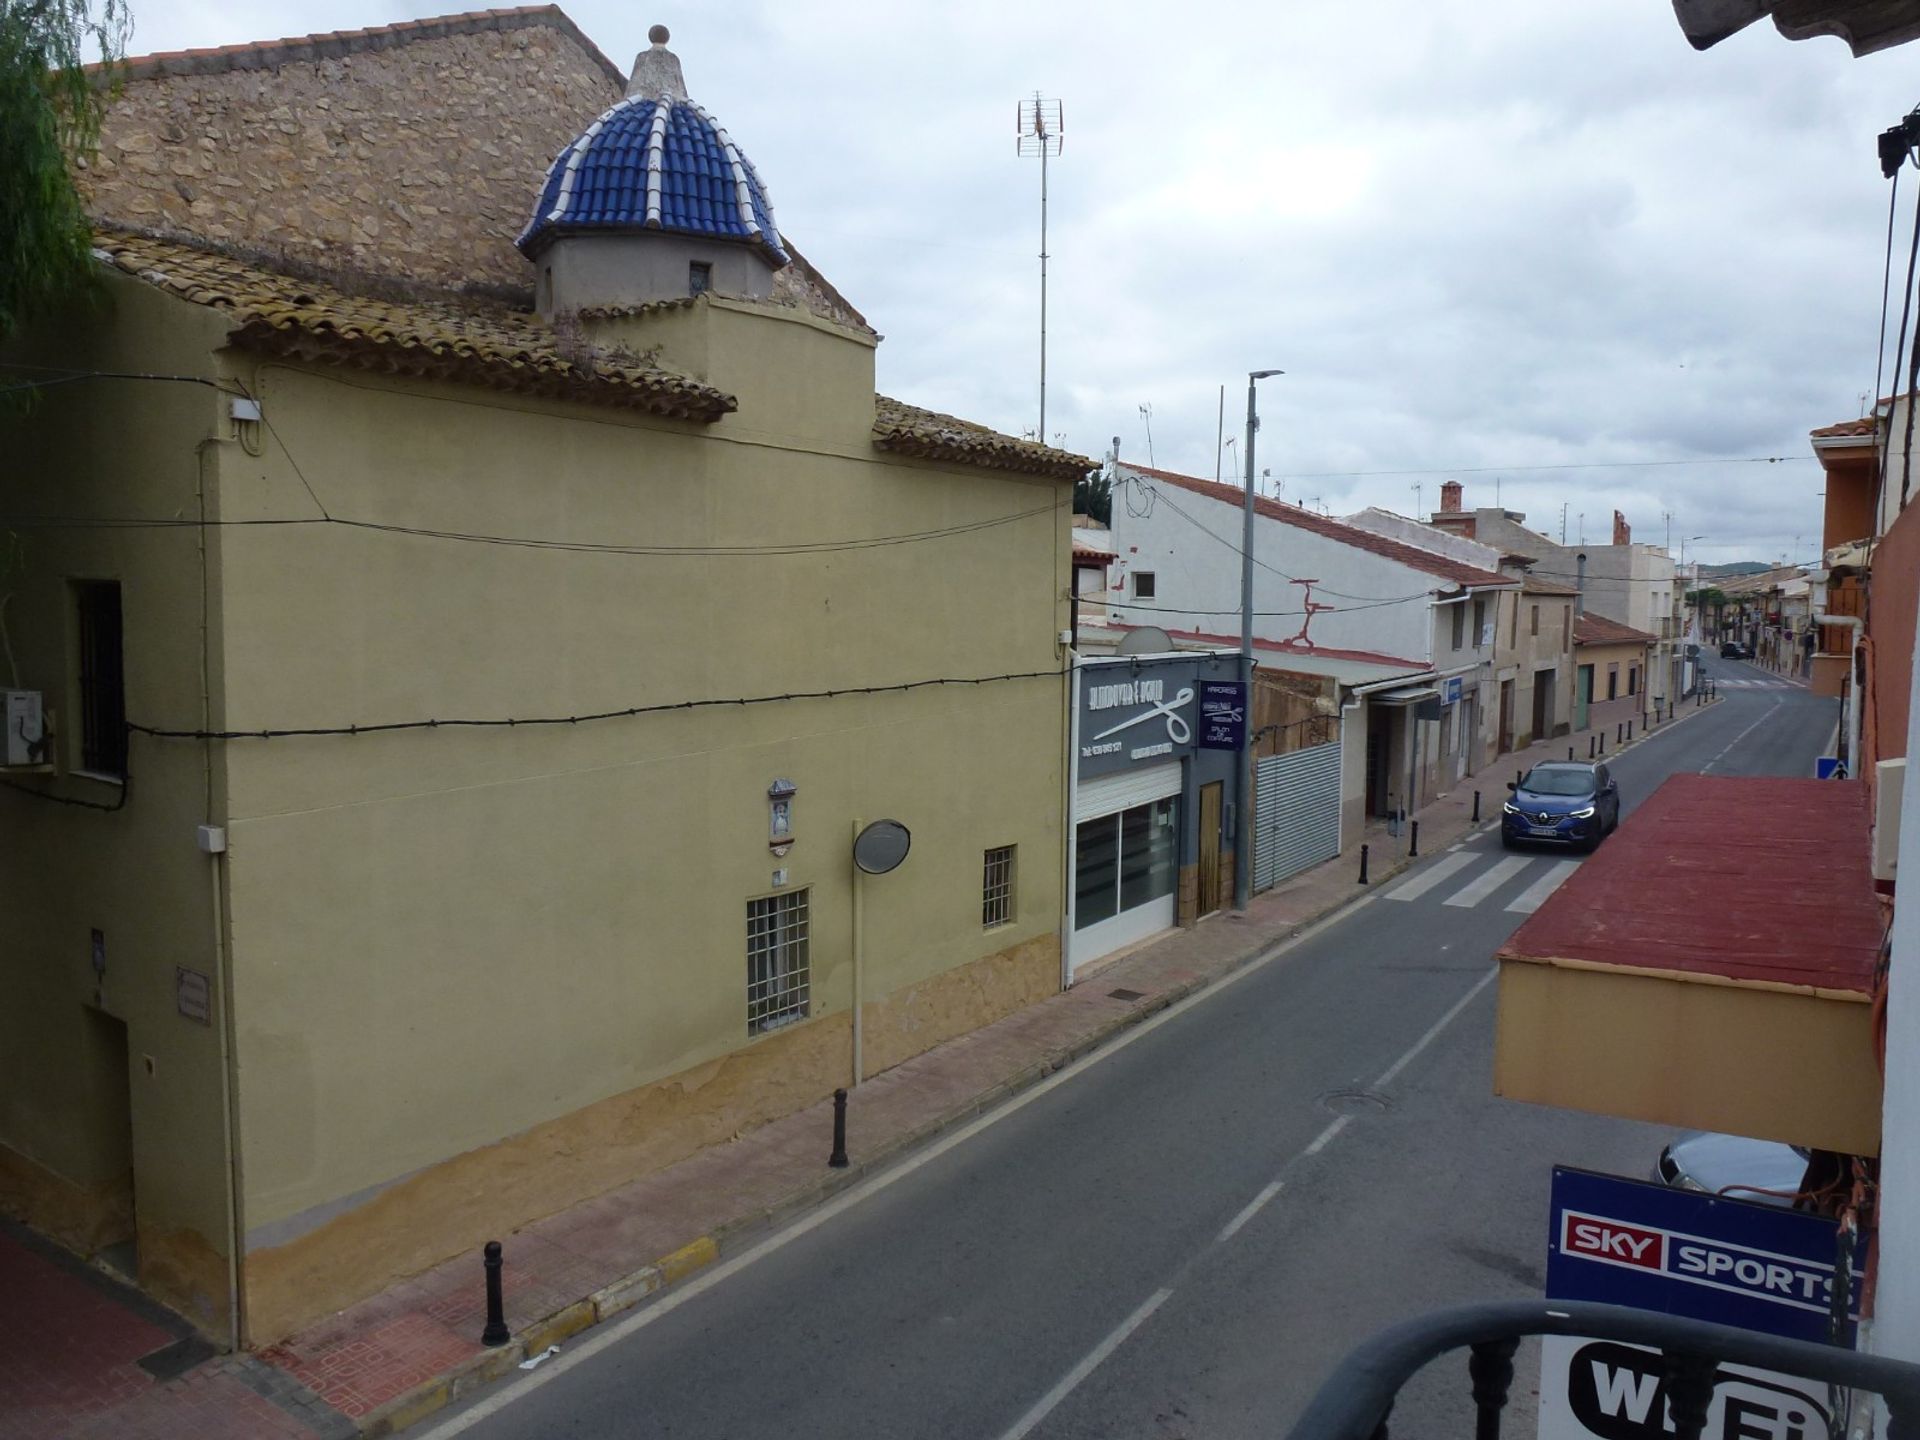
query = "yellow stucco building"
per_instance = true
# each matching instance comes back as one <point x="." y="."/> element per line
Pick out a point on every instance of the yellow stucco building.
<point x="320" y="972"/>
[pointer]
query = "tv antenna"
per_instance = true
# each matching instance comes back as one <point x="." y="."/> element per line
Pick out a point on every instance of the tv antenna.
<point x="1038" y="131"/>
<point x="1146" y="414"/>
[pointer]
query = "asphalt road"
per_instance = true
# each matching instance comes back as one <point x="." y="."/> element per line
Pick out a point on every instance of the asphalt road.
<point x="1183" y="1236"/>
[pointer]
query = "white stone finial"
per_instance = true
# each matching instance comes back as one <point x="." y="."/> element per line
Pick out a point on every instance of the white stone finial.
<point x="656" y="72"/>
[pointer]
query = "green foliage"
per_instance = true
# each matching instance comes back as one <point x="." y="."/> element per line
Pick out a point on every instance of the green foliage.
<point x="51" y="105"/>
<point x="1093" y="495"/>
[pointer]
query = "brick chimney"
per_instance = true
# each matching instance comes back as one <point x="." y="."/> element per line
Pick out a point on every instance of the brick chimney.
<point x="1450" y="497"/>
<point x="1622" y="532"/>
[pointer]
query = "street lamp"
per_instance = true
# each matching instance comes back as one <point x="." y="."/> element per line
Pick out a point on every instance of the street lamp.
<point x="1243" y="837"/>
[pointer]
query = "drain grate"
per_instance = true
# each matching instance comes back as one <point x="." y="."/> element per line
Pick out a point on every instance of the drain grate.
<point x="1126" y="995"/>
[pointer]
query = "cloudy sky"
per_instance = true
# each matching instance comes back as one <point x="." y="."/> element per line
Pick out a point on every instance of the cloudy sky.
<point x="1483" y="238"/>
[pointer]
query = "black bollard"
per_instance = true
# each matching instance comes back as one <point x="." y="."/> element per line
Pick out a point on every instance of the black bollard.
<point x="496" y="1331"/>
<point x="1476" y="807"/>
<point x="838" y="1160"/>
<point x="1603" y="742"/>
<point x="1620" y="733"/>
<point x="1363" y="864"/>
<point x="1413" y="847"/>
<point x="1629" y="730"/>
<point x="1590" y="740"/>
<point x="1569" y="752"/>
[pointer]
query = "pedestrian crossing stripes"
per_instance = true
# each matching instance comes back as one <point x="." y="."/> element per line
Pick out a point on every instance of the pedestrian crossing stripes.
<point x="1488" y="881"/>
<point x="1757" y="685"/>
<point x="1544" y="874"/>
<point x="1531" y="898"/>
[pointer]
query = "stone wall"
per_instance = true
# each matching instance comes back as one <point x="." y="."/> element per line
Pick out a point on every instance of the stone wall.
<point x="421" y="161"/>
<point x="411" y="153"/>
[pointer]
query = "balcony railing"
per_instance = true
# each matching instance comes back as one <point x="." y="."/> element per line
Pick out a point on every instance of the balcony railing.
<point x="1357" y="1400"/>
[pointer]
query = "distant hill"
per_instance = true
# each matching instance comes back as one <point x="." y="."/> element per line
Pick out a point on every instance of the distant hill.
<point x="1728" y="571"/>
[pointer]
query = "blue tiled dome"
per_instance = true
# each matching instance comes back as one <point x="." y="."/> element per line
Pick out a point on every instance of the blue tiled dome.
<point x="655" y="163"/>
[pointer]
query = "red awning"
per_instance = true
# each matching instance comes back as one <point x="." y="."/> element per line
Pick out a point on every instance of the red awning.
<point x="1749" y="879"/>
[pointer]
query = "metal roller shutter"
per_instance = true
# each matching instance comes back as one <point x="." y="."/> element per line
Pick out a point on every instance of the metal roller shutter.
<point x="1125" y="790"/>
<point x="1296" y="812"/>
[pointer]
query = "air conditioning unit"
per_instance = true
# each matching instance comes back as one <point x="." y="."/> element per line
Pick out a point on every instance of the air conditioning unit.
<point x="26" y="740"/>
<point x="1889" y="779"/>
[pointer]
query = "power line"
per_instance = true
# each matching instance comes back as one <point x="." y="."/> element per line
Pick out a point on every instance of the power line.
<point x="626" y="712"/>
<point x="1371" y="600"/>
<point x="813" y="547"/>
<point x="1534" y="469"/>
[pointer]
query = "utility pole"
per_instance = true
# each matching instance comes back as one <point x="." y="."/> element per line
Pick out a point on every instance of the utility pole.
<point x="1563" y="522"/>
<point x="1243" y="825"/>
<point x="1038" y="132"/>
<point x="1418" y="492"/>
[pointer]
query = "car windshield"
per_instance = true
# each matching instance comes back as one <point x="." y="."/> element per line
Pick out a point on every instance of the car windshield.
<point x="1559" y="782"/>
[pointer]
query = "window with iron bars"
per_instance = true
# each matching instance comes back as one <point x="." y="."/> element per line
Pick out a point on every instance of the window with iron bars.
<point x="996" y="889"/>
<point x="103" y="707"/>
<point x="777" y="953"/>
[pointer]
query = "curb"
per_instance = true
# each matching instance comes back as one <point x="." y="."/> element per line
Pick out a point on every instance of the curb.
<point x="624" y="1294"/>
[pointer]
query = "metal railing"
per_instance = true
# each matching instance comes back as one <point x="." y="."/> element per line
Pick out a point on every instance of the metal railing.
<point x="1357" y="1400"/>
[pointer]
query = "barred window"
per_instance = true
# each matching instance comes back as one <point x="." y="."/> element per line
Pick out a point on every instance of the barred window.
<point x="777" y="970"/>
<point x="103" y="715"/>
<point x="996" y="889"/>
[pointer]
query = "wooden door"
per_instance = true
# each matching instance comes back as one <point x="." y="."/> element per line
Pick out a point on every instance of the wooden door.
<point x="1210" y="802"/>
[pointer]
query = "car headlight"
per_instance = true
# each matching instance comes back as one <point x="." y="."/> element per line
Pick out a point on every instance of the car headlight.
<point x="1507" y="808"/>
<point x="1586" y="814"/>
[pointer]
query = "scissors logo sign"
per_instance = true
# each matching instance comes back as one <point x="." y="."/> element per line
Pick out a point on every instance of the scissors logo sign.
<point x="1151" y="693"/>
<point x="1178" y="730"/>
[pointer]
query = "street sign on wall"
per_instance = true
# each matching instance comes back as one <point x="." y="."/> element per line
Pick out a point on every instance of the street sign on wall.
<point x="1703" y="1257"/>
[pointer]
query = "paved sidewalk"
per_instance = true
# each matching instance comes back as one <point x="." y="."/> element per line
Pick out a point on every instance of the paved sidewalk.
<point x="397" y="1358"/>
<point x="91" y="1358"/>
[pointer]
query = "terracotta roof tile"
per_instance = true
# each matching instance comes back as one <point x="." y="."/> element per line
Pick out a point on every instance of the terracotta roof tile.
<point x="1865" y="426"/>
<point x="927" y="435"/>
<point x="500" y="348"/>
<point x="1288" y="647"/>
<point x="1412" y="556"/>
<point x="1591" y="629"/>
<point x="1532" y="586"/>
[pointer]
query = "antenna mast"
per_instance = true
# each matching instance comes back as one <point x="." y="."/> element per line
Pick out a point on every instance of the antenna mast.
<point x="1038" y="132"/>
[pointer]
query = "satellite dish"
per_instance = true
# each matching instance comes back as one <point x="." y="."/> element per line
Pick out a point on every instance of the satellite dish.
<point x="1147" y="640"/>
<point x="881" y="846"/>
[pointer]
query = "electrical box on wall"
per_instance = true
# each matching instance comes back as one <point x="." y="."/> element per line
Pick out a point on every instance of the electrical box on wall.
<point x="26" y="738"/>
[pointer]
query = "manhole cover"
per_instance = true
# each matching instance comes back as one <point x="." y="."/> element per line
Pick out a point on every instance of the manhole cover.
<point x="1126" y="995"/>
<point x="1355" y="1102"/>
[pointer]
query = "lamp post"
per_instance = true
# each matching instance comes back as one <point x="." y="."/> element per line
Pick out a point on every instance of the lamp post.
<point x="1243" y="838"/>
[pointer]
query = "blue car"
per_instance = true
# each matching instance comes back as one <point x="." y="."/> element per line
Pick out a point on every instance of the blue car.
<point x="1564" y="802"/>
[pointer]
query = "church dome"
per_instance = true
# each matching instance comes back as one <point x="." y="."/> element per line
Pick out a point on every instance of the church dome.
<point x="655" y="161"/>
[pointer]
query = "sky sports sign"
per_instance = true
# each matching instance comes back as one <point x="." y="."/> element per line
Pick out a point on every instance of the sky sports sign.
<point x="1703" y="1257"/>
<point x="1652" y="1247"/>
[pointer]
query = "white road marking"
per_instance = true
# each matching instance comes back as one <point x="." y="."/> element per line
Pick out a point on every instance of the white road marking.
<point x="1047" y="1402"/>
<point x="1768" y="715"/>
<point x="1431" y="876"/>
<point x="608" y="1336"/>
<point x="1531" y="898"/>
<point x="1433" y="1032"/>
<point x="1488" y="881"/>
<point x="1253" y="1209"/>
<point x="1325" y="1137"/>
